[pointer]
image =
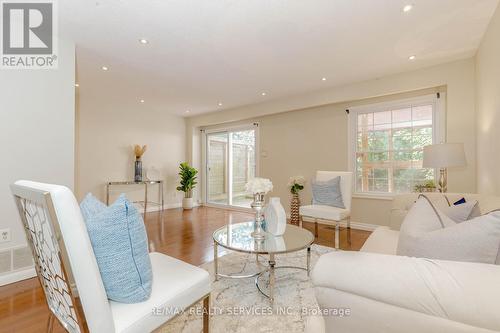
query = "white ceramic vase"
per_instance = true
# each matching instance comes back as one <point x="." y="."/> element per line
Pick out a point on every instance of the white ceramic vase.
<point x="187" y="203"/>
<point x="275" y="217"/>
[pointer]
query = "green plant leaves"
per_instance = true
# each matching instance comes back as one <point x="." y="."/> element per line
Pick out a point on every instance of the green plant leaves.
<point x="188" y="176"/>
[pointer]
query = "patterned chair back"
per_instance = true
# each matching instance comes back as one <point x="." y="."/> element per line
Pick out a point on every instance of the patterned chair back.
<point x="63" y="256"/>
<point x="49" y="253"/>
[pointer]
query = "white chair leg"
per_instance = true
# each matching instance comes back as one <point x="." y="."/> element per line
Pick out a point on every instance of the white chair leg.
<point x="337" y="235"/>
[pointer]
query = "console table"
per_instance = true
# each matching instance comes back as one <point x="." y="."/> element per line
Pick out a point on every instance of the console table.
<point x="145" y="183"/>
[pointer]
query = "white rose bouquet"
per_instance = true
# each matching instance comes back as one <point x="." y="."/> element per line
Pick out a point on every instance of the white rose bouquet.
<point x="259" y="185"/>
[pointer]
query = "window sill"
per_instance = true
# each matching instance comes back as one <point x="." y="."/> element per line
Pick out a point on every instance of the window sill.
<point x="374" y="196"/>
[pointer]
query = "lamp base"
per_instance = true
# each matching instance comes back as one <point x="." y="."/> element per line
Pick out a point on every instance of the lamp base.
<point x="443" y="181"/>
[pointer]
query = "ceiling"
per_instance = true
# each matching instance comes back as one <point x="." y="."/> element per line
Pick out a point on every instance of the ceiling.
<point x="205" y="52"/>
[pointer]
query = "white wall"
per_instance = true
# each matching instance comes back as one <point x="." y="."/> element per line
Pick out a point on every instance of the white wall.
<point x="488" y="108"/>
<point x="107" y="131"/>
<point x="37" y="132"/>
<point x="309" y="132"/>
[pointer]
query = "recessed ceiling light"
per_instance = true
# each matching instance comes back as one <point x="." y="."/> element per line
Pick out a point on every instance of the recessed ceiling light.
<point x="77" y="85"/>
<point x="143" y="41"/>
<point x="142" y="101"/>
<point x="323" y="79"/>
<point x="104" y="68"/>
<point x="412" y="57"/>
<point x="407" y="8"/>
<point x="263" y="94"/>
<point x="220" y="104"/>
<point x="187" y="111"/>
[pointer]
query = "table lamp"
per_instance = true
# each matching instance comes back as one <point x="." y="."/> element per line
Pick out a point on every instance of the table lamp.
<point x="443" y="156"/>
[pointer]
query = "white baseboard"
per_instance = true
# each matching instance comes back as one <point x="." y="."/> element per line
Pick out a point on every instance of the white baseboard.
<point x="155" y="208"/>
<point x="354" y="225"/>
<point x="17" y="276"/>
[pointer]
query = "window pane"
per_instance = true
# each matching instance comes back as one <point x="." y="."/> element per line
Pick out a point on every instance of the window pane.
<point x="389" y="149"/>
<point x="401" y="116"/>
<point x="383" y="117"/>
<point x="243" y="161"/>
<point x="402" y="139"/>
<point x="365" y="121"/>
<point x="422" y="112"/>
<point x="403" y="156"/>
<point x="378" y="140"/>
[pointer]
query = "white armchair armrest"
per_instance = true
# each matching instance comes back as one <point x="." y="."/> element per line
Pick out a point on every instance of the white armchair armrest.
<point x="467" y="293"/>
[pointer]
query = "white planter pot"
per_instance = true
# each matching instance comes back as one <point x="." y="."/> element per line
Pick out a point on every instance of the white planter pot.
<point x="187" y="203"/>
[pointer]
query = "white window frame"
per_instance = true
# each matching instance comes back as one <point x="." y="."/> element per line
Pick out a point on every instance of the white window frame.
<point x="438" y="101"/>
<point x="204" y="170"/>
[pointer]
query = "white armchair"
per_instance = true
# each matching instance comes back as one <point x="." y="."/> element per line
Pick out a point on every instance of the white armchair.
<point x="69" y="275"/>
<point x="328" y="213"/>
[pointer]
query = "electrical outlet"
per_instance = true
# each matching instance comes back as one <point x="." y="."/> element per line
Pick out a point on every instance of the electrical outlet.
<point x="4" y="235"/>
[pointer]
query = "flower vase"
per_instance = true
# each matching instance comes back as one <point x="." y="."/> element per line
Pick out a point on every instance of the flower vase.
<point x="294" y="209"/>
<point x="275" y="217"/>
<point x="257" y="205"/>
<point x="138" y="170"/>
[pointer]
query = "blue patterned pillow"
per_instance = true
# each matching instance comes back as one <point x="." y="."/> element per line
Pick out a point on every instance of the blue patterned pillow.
<point x="327" y="193"/>
<point x="120" y="244"/>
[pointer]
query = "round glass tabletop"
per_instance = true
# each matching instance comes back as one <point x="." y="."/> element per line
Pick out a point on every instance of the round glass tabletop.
<point x="237" y="237"/>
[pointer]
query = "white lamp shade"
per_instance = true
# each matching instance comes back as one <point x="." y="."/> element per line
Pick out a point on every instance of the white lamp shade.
<point x="444" y="155"/>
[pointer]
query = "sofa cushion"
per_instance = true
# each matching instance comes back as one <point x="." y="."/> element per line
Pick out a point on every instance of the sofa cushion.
<point x="461" y="292"/>
<point x="324" y="212"/>
<point x="428" y="233"/>
<point x="403" y="202"/>
<point x="383" y="240"/>
<point x="463" y="211"/>
<point x="327" y="193"/>
<point x="120" y="245"/>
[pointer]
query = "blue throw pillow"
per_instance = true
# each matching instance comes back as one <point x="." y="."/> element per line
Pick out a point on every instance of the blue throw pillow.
<point x="327" y="193"/>
<point x="91" y="206"/>
<point x="459" y="202"/>
<point x="120" y="244"/>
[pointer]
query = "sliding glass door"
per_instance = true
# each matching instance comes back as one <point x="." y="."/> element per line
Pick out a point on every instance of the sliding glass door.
<point x="231" y="157"/>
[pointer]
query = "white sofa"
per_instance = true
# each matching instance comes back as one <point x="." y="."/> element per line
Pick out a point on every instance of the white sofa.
<point x="387" y="293"/>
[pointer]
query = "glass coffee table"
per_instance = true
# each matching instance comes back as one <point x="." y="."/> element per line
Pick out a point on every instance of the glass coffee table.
<point x="236" y="237"/>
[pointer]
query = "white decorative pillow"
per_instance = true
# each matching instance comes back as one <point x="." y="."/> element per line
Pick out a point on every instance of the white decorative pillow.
<point x="462" y="212"/>
<point x="428" y="233"/>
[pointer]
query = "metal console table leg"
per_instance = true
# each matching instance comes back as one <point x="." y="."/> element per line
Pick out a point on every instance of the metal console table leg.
<point x="145" y="199"/>
<point x="216" y="264"/>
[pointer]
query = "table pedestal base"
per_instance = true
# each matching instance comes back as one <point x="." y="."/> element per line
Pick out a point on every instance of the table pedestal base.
<point x="269" y="269"/>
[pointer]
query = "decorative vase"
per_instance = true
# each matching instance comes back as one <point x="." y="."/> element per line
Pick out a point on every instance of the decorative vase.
<point x="257" y="205"/>
<point x="275" y="217"/>
<point x="294" y="209"/>
<point x="138" y="171"/>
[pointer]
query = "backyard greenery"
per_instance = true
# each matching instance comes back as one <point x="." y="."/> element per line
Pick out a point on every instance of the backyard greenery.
<point x="389" y="150"/>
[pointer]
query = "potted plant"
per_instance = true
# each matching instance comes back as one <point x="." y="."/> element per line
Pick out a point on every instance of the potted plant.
<point x="295" y="184"/>
<point x="188" y="183"/>
<point x="428" y="186"/>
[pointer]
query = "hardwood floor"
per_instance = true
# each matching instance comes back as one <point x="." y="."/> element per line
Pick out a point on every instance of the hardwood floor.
<point x="186" y="235"/>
